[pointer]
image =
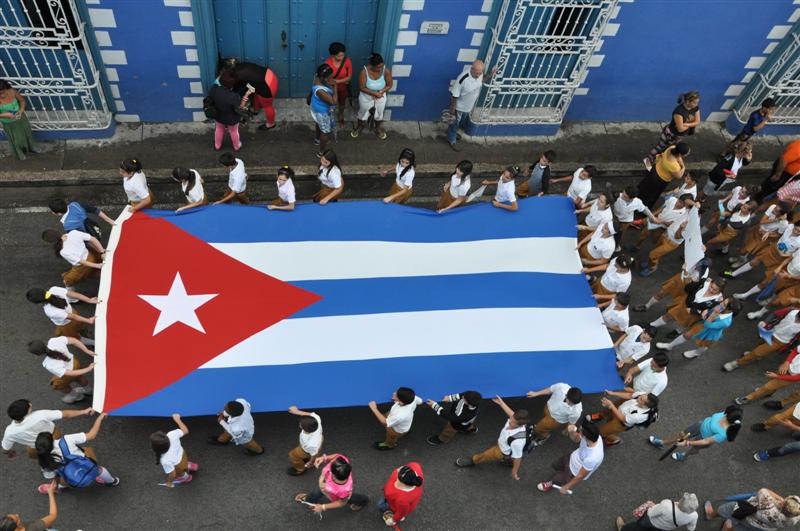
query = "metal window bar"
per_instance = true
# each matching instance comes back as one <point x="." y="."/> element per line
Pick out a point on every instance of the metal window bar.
<point x="44" y="53"/>
<point x="541" y="49"/>
<point x="779" y="79"/>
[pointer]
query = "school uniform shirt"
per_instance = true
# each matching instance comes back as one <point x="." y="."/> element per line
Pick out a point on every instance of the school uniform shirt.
<point x="561" y="411"/>
<point x="72" y="440"/>
<point x="738" y="220"/>
<point x="597" y="217"/>
<point x="579" y="188"/>
<point x="600" y="246"/>
<point x="286" y="191"/>
<point x="616" y="318"/>
<point x="466" y="90"/>
<point x="517" y="446"/>
<point x="631" y="347"/>
<point x="58" y="316"/>
<point x="586" y="457"/>
<point x="788" y="239"/>
<point x="312" y="442"/>
<point x="506" y="192"/>
<point x="787" y="328"/>
<point x="74" y="249"/>
<point x="406" y="180"/>
<point x="615" y="281"/>
<point x="735" y="200"/>
<point x="683" y="189"/>
<point x="772" y="224"/>
<point x="793" y="267"/>
<point x="237" y="178"/>
<point x="136" y="187"/>
<point x="634" y="413"/>
<point x="401" y="415"/>
<point x="240" y="428"/>
<point x="795" y="413"/>
<point x="196" y="194"/>
<point x="650" y="381"/>
<point x="25" y="431"/>
<point x="624" y="209"/>
<point x="669" y="213"/>
<point x="672" y="231"/>
<point x="174" y="454"/>
<point x="666" y="513"/>
<point x="457" y="188"/>
<point x="332" y="179"/>
<point x="58" y="367"/>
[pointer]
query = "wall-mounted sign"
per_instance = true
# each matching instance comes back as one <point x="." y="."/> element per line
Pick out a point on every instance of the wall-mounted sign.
<point x="435" y="28"/>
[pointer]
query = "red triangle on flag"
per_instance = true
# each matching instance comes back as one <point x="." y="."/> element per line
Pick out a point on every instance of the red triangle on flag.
<point x="147" y="350"/>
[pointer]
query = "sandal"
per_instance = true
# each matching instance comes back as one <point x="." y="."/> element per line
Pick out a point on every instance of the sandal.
<point x="301" y="497"/>
<point x="382" y="134"/>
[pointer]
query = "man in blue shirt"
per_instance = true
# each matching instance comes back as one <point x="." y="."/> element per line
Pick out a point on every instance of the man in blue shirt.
<point x="75" y="216"/>
<point x="758" y="119"/>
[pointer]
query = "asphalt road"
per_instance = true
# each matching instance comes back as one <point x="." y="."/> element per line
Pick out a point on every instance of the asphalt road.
<point x="235" y="491"/>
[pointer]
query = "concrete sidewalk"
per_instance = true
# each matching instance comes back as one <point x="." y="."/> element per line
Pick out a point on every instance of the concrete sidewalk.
<point x="615" y="148"/>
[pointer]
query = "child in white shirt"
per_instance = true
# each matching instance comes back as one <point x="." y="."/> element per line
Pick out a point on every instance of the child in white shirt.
<point x="398" y="421"/>
<point x="303" y="455"/>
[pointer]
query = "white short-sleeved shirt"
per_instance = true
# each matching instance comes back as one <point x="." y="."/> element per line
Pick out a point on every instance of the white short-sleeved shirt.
<point x="466" y="89"/>
<point x="735" y="200"/>
<point x="312" y="442"/>
<point x="59" y="316"/>
<point x="25" y="432"/>
<point x="74" y="248"/>
<point x="136" y="187"/>
<point x="286" y="191"/>
<point x="634" y="413"/>
<point x="54" y="366"/>
<point x="517" y="446"/>
<point x="793" y="267"/>
<point x="672" y="231"/>
<point x="579" y="187"/>
<point x="457" y="188"/>
<point x="616" y="318"/>
<point x="237" y="178"/>
<point x="600" y="246"/>
<point x="559" y="409"/>
<point x="72" y="440"/>
<point x="241" y="428"/>
<point x="795" y="413"/>
<point x="172" y="457"/>
<point x="772" y="224"/>
<point x="630" y="347"/>
<point x="661" y="516"/>
<point x="650" y="381"/>
<point x="401" y="415"/>
<point x="331" y="179"/>
<point x="788" y="239"/>
<point x="624" y="209"/>
<point x="787" y="328"/>
<point x="587" y="457"/>
<point x="597" y="217"/>
<point x="197" y="193"/>
<point x="615" y="281"/>
<point x="407" y="180"/>
<point x="669" y="213"/>
<point x="683" y="189"/>
<point x="506" y="192"/>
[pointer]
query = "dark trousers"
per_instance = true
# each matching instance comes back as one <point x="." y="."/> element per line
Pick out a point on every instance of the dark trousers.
<point x="642" y="524"/>
<point x="786" y="449"/>
<point x="562" y="472"/>
<point x="356" y="499"/>
<point x="769" y="187"/>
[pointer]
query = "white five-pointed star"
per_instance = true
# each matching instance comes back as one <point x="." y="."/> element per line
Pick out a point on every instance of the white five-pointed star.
<point x="177" y="306"/>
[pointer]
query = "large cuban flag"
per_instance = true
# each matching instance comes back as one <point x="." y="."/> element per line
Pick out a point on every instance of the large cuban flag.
<point x="341" y="304"/>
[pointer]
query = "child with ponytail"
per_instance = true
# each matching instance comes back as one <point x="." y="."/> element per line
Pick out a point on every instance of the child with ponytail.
<point x="68" y="376"/>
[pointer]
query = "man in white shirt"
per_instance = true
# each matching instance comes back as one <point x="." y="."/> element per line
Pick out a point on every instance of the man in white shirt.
<point x="238" y="427"/>
<point x="463" y="94"/>
<point x="581" y="463"/>
<point x="303" y="455"/>
<point x="27" y="424"/>
<point x="563" y="408"/>
<point x="649" y="376"/>
<point x="633" y="345"/>
<point x="398" y="421"/>
<point x="510" y="447"/>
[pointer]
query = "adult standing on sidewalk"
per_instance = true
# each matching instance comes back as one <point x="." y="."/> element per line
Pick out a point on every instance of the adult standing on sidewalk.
<point x="342" y="73"/>
<point x="783" y="169"/>
<point x="322" y="99"/>
<point x="14" y="121"/>
<point x="685" y="117"/>
<point x="463" y="96"/>
<point x="227" y="103"/>
<point x="265" y="83"/>
<point x="374" y="81"/>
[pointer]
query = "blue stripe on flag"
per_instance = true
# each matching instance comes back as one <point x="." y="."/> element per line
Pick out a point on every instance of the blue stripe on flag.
<point x="376" y="221"/>
<point x="276" y="387"/>
<point x="453" y="292"/>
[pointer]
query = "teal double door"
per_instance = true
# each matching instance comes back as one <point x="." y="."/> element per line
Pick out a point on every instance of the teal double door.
<point x="292" y="36"/>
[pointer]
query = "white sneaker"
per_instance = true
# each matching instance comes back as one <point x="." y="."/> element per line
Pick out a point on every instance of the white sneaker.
<point x="731" y="366"/>
<point x="84" y="390"/>
<point x="663" y="346"/>
<point x="691" y="354"/>
<point x="72" y="397"/>
<point x="740" y="296"/>
<point x="766" y="301"/>
<point x="756" y="314"/>
<point x="647" y="164"/>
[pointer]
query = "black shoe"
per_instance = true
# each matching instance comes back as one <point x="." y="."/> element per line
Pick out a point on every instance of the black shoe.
<point x="640" y="308"/>
<point x="292" y="472"/>
<point x="265" y="127"/>
<point x="214" y="440"/>
<point x="248" y="451"/>
<point x="454" y="147"/>
<point x="758" y="427"/>
<point x="434" y="440"/>
<point x="673" y="334"/>
<point x="775" y="405"/>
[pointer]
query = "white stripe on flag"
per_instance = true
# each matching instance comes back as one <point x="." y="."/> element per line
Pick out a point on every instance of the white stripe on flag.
<point x="315" y="260"/>
<point x="433" y="333"/>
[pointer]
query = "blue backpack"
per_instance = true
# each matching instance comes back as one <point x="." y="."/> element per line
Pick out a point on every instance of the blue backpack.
<point x="77" y="470"/>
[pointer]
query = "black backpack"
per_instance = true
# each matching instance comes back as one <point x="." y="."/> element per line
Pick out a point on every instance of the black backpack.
<point x="530" y="439"/>
<point x="209" y="109"/>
